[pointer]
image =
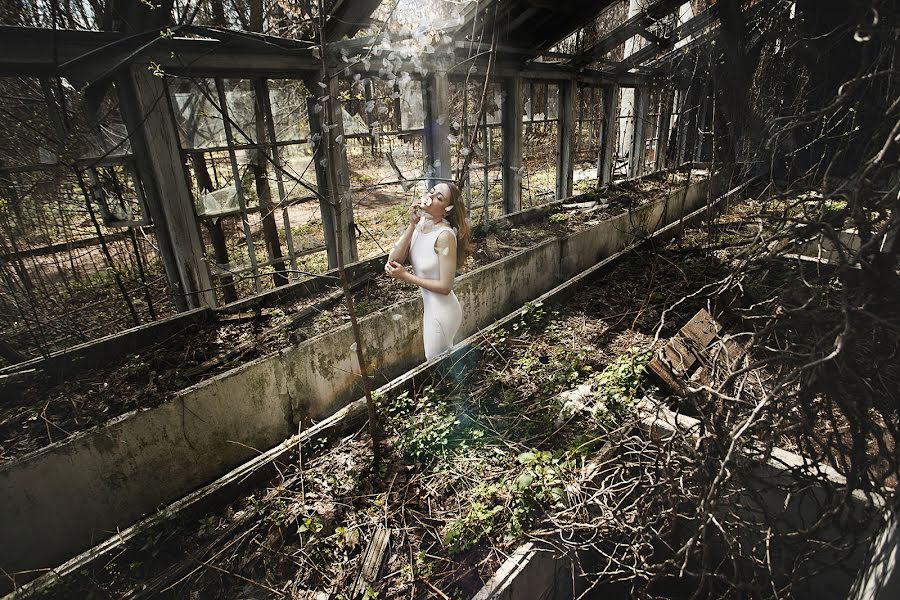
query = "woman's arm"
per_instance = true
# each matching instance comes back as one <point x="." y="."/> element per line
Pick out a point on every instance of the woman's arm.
<point x="400" y="252"/>
<point x="445" y="246"/>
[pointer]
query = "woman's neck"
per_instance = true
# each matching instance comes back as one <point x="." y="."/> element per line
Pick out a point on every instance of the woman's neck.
<point x="428" y="222"/>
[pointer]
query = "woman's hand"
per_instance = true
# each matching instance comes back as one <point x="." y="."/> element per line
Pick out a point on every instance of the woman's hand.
<point x="414" y="208"/>
<point x="396" y="270"/>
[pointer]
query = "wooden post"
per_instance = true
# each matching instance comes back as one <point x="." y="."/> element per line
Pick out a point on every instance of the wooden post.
<point x="369" y="96"/>
<point x="637" y="139"/>
<point x="512" y="144"/>
<point x="687" y="124"/>
<point x="608" y="142"/>
<point x="146" y="110"/>
<point x="259" y="164"/>
<point x="565" y="132"/>
<point x="662" y="133"/>
<point x="342" y="177"/>
<point x="436" y="98"/>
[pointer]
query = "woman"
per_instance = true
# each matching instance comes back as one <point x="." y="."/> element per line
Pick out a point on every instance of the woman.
<point x="437" y="244"/>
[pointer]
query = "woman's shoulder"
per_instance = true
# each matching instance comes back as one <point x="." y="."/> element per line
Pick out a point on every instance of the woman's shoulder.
<point x="446" y="234"/>
<point x="448" y="229"/>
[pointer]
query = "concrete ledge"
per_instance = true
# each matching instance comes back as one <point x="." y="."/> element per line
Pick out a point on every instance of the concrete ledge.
<point x="92" y="354"/>
<point x="113" y="475"/>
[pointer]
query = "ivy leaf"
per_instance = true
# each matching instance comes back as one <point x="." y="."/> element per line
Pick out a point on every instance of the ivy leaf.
<point x="524" y="481"/>
<point x="526" y="458"/>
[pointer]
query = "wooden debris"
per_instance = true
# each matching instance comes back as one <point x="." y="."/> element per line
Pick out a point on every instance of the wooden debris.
<point x="491" y="247"/>
<point x="673" y="363"/>
<point x="372" y="561"/>
<point x="580" y="205"/>
<point x="247" y="315"/>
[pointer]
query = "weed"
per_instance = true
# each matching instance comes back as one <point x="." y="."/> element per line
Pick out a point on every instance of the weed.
<point x="465" y="533"/>
<point x="540" y="484"/>
<point x="619" y="384"/>
<point x="428" y="428"/>
<point x="532" y="316"/>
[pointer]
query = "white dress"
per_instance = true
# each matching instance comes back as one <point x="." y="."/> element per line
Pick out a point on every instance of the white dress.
<point x="443" y="313"/>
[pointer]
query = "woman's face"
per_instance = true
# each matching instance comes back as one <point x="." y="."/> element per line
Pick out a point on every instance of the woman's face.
<point x="440" y="196"/>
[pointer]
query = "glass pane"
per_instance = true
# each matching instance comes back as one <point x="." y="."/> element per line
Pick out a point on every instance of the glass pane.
<point x="287" y="98"/>
<point x="241" y="100"/>
<point x="553" y="101"/>
<point x="412" y="112"/>
<point x="197" y="114"/>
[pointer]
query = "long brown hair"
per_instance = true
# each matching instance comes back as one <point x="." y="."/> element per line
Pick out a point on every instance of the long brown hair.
<point x="460" y="220"/>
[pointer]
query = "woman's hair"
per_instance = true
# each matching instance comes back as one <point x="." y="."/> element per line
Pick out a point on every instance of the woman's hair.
<point x="458" y="219"/>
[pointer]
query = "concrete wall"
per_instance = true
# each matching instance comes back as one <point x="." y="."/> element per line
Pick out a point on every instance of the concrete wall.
<point x="67" y="496"/>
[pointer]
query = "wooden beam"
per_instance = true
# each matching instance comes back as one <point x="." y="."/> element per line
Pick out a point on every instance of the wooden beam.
<point x="154" y="140"/>
<point x="330" y="201"/>
<point x="637" y="141"/>
<point x="665" y="117"/>
<point x="436" y="100"/>
<point x="347" y="17"/>
<point x="625" y="31"/>
<point x="689" y="28"/>
<point x="512" y="144"/>
<point x="565" y="134"/>
<point x="238" y="179"/>
<point x="34" y="51"/>
<point x="610" y="127"/>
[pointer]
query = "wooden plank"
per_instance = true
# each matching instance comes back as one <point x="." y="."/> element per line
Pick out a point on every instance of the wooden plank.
<point x="512" y="145"/>
<point x="664" y="377"/>
<point x="436" y="100"/>
<point x="672" y="364"/>
<point x="678" y="356"/>
<point x="565" y="137"/>
<point x="154" y="140"/>
<point x="372" y="561"/>
<point x="701" y="329"/>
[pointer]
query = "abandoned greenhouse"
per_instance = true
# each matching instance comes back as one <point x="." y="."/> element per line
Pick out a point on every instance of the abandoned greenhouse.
<point x="493" y="299"/>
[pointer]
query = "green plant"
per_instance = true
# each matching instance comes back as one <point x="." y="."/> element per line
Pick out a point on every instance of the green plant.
<point x="478" y="523"/>
<point x="540" y="484"/>
<point x="560" y="217"/>
<point x="532" y="316"/>
<point x="834" y="206"/>
<point x="619" y="384"/>
<point x="465" y="533"/>
<point x="428" y="427"/>
<point x="312" y="526"/>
